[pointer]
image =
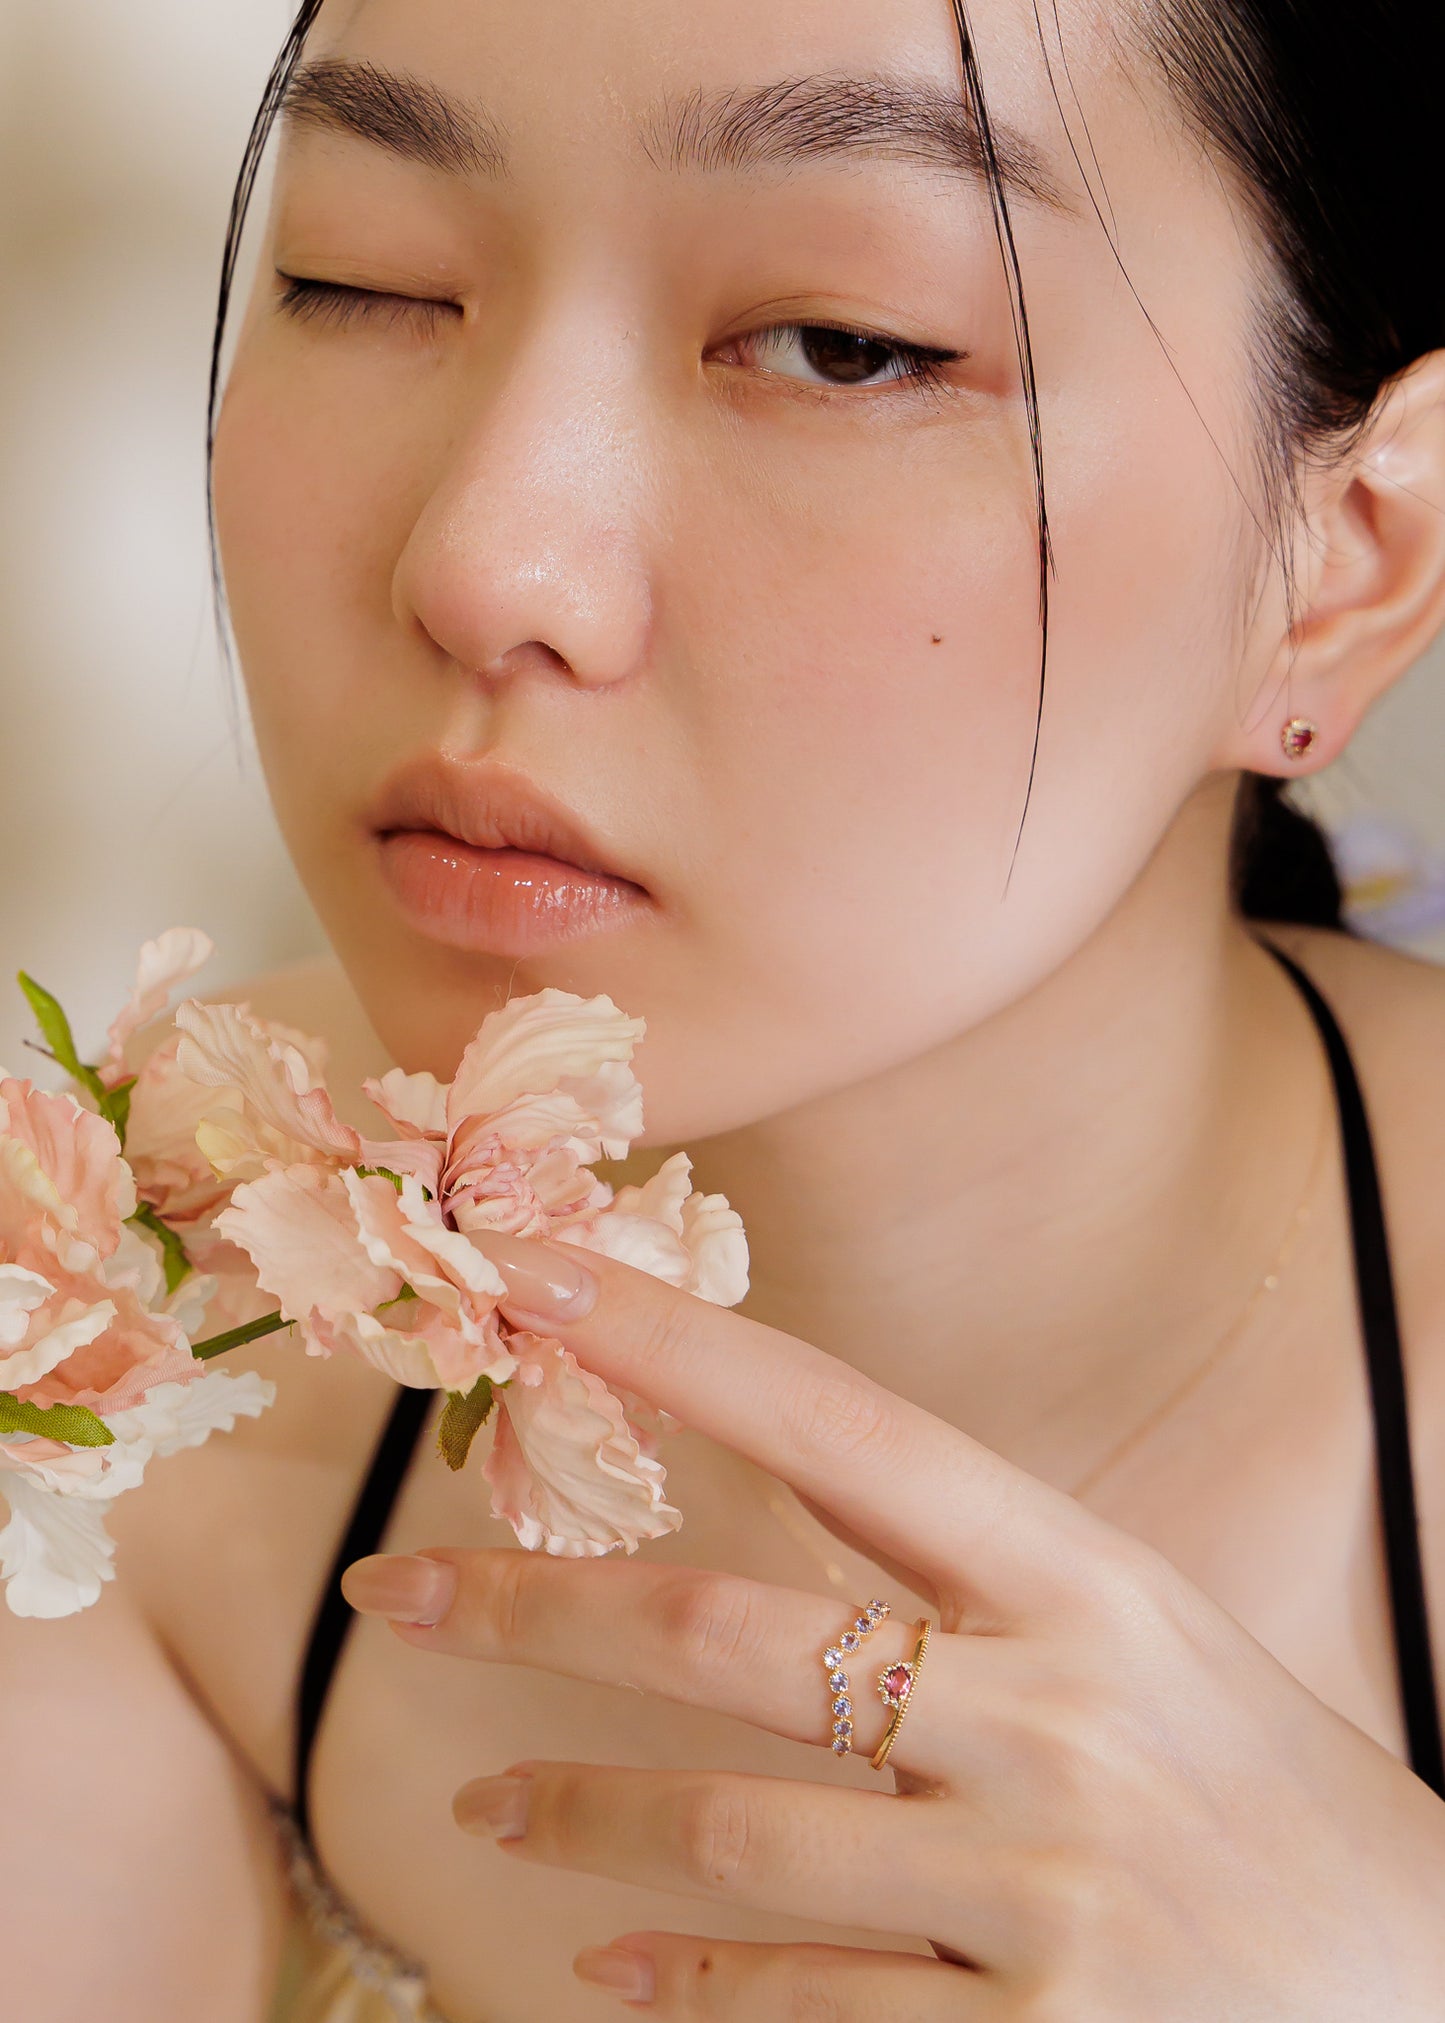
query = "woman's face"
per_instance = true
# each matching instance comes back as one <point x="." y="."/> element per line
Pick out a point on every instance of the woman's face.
<point x="586" y="491"/>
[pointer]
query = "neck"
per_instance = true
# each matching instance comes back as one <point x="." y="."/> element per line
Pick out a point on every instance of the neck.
<point x="1038" y="1229"/>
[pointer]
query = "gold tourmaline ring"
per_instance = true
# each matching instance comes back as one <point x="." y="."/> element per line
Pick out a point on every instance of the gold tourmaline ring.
<point x="896" y="1686"/>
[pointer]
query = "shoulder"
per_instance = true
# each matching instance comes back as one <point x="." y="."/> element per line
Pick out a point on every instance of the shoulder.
<point x="1391" y="1007"/>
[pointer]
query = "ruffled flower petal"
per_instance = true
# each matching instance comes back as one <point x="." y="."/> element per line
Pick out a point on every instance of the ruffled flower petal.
<point x="718" y="1246"/>
<point x="176" y="1416"/>
<point x="639" y="1241"/>
<point x="62" y="1164"/>
<point x="114" y="1369"/>
<point x="416" y="1104"/>
<point x="56" y="1327"/>
<point x="711" y="1232"/>
<point x="548" y="1042"/>
<point x="272" y="1107"/>
<point x="490" y="1186"/>
<point x="67" y="1471"/>
<point x="167" y="1109"/>
<point x="405" y="1233"/>
<point x="55" y="1553"/>
<point x="405" y="1358"/>
<point x="567" y="1471"/>
<point x="662" y="1196"/>
<point x="595" y="1117"/>
<point x="298" y="1228"/>
<point x="22" y="1293"/>
<point x="165" y="964"/>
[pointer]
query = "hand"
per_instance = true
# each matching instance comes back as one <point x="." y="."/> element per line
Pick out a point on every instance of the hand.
<point x="1113" y="1805"/>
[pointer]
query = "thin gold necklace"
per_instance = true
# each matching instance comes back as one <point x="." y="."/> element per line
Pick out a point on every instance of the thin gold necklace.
<point x="804" y="1532"/>
<point x="1267" y="1286"/>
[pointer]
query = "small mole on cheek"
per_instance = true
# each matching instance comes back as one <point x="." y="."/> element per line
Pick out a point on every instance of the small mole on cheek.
<point x="938" y="639"/>
<point x="705" y="1964"/>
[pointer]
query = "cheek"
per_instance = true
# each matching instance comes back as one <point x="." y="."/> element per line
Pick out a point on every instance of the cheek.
<point x="871" y="658"/>
<point x="863" y="730"/>
<point x="311" y="513"/>
<point x="863" y="734"/>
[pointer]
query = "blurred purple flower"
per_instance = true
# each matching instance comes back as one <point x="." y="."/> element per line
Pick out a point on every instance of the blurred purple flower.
<point x="1394" y="883"/>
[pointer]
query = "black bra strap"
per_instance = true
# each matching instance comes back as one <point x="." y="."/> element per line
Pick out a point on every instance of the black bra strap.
<point x="334" y="1616"/>
<point x="1379" y="1318"/>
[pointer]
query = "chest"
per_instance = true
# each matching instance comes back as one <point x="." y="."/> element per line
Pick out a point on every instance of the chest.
<point x="1267" y="1503"/>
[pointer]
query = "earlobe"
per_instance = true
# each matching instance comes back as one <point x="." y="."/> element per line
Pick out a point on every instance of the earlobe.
<point x="1370" y="592"/>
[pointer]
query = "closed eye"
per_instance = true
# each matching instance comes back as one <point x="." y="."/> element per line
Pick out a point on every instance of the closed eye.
<point x="333" y="302"/>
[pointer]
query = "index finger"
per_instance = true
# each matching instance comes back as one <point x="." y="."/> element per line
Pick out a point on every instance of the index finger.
<point x="914" y="1487"/>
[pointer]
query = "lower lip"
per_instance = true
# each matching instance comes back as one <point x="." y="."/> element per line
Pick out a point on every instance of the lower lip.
<point x="500" y="902"/>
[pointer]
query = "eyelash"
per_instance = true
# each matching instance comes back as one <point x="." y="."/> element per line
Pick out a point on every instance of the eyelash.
<point x="333" y="302"/>
<point x="924" y="364"/>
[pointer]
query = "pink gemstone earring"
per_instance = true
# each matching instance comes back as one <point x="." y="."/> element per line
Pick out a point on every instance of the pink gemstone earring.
<point x="1297" y="739"/>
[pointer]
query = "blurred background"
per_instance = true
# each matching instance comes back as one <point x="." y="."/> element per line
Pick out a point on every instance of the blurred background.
<point x="129" y="799"/>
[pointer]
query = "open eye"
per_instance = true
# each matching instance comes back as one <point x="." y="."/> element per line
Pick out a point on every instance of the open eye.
<point x="309" y="301"/>
<point x="840" y="357"/>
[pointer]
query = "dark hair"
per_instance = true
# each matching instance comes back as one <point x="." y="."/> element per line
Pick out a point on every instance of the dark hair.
<point x="1323" y="116"/>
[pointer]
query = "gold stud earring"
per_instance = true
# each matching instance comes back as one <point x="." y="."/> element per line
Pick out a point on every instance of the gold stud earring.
<point x="1297" y="739"/>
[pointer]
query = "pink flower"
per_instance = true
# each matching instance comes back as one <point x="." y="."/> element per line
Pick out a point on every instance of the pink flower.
<point x="73" y="1329"/>
<point x="568" y="1471"/>
<point x="86" y="1320"/>
<point x="63" y="1183"/>
<point x="173" y="1177"/>
<point x="365" y="1243"/>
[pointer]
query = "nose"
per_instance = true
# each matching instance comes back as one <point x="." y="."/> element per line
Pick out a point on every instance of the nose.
<point x="530" y="551"/>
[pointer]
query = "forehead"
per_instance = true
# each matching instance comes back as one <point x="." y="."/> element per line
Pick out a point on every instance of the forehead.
<point x="685" y="84"/>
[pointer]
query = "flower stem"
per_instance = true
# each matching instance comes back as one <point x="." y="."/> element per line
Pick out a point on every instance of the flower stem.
<point x="254" y="1331"/>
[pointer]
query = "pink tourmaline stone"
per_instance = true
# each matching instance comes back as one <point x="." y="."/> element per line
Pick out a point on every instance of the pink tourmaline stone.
<point x="896" y="1682"/>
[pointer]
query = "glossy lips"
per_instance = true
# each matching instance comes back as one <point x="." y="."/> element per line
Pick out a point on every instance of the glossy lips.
<point x="479" y="858"/>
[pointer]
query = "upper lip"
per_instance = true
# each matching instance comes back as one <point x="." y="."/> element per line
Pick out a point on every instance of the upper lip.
<point x="493" y="807"/>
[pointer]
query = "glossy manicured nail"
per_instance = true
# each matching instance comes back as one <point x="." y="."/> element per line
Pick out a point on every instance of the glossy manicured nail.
<point x="494" y="1805"/>
<point x="630" y="1976"/>
<point x="401" y="1588"/>
<point x="540" y="1280"/>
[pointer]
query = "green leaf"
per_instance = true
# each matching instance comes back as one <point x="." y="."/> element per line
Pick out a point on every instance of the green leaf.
<point x="465" y="1415"/>
<point x="55" y="1027"/>
<point x="117" y="1107"/>
<point x="178" y="1264"/>
<point x="254" y="1331"/>
<point x="70" y="1423"/>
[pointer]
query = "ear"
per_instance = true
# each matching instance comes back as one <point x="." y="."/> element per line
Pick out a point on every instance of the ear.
<point x="1370" y="593"/>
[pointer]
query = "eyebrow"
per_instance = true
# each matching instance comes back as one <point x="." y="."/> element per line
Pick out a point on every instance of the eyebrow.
<point x="777" y="125"/>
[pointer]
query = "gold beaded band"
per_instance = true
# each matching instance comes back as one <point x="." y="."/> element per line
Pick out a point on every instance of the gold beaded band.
<point x="834" y="1661"/>
<point x="895" y="1689"/>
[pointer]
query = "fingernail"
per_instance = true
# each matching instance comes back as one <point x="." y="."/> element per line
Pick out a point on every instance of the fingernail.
<point x="494" y="1805"/>
<point x="541" y="1281"/>
<point x="631" y="1976"/>
<point x="401" y="1587"/>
